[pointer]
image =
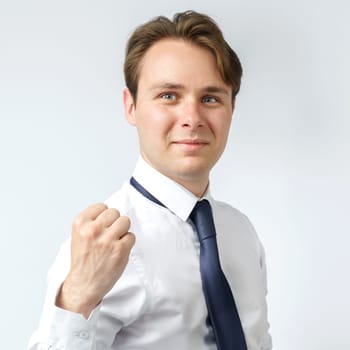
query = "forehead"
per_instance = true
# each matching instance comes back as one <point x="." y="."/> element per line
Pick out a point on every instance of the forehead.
<point x="178" y="61"/>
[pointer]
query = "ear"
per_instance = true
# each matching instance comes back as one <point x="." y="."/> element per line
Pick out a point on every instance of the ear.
<point x="129" y="107"/>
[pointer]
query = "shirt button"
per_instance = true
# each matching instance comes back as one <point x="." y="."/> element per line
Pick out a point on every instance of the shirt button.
<point x="83" y="335"/>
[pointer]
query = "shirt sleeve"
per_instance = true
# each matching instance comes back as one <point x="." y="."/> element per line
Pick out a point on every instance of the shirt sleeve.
<point x="59" y="328"/>
<point x="266" y="341"/>
<point x="65" y="330"/>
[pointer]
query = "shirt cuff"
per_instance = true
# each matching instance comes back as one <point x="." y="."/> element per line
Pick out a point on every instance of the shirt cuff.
<point x="72" y="331"/>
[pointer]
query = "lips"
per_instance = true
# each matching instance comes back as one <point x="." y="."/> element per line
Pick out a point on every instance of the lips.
<point x="191" y="146"/>
<point x="191" y="142"/>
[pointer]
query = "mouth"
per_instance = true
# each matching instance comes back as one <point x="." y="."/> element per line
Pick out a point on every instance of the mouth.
<point x="191" y="144"/>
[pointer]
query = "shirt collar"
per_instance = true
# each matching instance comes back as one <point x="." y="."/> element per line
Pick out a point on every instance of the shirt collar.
<point x="174" y="196"/>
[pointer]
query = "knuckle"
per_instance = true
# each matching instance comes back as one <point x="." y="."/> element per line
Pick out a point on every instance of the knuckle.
<point x="103" y="245"/>
<point x="93" y="230"/>
<point x="125" y="221"/>
<point x="132" y="239"/>
<point x="114" y="212"/>
<point x="128" y="241"/>
<point x="78" y="222"/>
<point x="100" y="206"/>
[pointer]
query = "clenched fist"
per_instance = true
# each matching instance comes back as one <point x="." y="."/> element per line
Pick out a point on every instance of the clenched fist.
<point x="100" y="250"/>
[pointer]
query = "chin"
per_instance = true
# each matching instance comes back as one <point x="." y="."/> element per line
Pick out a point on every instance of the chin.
<point x="191" y="169"/>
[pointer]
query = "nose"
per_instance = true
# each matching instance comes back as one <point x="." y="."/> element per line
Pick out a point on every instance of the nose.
<point x="191" y="115"/>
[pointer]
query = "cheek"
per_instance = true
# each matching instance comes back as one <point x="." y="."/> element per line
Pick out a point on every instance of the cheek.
<point x="155" y="124"/>
<point x="221" y="124"/>
<point x="158" y="120"/>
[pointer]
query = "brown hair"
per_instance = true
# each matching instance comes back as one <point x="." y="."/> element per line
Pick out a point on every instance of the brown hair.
<point x="190" y="26"/>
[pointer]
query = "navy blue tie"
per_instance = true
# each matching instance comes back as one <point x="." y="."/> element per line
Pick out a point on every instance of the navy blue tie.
<point x="223" y="314"/>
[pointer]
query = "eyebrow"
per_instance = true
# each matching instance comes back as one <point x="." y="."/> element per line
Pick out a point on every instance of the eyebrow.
<point x="216" y="89"/>
<point x="208" y="89"/>
<point x="170" y="86"/>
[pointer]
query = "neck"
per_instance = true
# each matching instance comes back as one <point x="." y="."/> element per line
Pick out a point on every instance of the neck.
<point x="196" y="183"/>
<point x="197" y="187"/>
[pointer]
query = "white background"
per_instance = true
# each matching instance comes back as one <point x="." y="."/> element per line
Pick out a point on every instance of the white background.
<point x="64" y="144"/>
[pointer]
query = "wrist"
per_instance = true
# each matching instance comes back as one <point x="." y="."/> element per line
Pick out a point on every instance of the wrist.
<point x="73" y="299"/>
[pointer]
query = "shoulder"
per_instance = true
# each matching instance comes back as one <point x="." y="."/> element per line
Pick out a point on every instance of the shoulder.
<point x="226" y="212"/>
<point x="235" y="223"/>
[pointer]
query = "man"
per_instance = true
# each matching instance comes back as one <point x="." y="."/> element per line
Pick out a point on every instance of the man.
<point x="108" y="290"/>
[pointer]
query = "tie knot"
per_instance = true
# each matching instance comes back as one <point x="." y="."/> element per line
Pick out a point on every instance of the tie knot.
<point x="203" y="206"/>
<point x="202" y="218"/>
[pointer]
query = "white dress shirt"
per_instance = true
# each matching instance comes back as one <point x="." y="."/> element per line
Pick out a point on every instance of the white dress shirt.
<point x="158" y="303"/>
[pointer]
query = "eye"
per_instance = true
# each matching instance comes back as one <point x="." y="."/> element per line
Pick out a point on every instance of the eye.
<point x="168" y="96"/>
<point x="209" y="99"/>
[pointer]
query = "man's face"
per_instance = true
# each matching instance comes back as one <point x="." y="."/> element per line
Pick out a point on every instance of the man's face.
<point x="183" y="111"/>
